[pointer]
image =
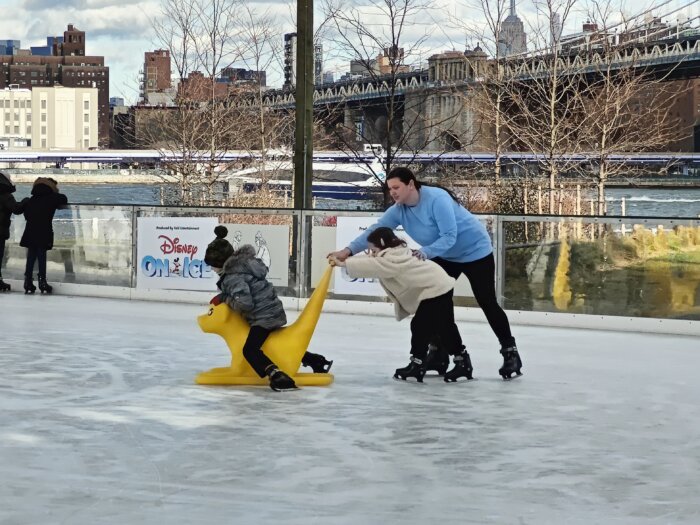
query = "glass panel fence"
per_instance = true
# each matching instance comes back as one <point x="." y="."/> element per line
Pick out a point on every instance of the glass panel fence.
<point x="92" y="245"/>
<point x="636" y="267"/>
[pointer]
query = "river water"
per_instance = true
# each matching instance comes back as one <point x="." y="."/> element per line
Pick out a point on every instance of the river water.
<point x="646" y="202"/>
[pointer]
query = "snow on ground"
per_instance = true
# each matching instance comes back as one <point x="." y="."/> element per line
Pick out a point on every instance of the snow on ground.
<point x="101" y="423"/>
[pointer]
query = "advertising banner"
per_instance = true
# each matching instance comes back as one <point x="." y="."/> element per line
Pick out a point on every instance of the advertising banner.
<point x="271" y="243"/>
<point x="347" y="229"/>
<point x="170" y="253"/>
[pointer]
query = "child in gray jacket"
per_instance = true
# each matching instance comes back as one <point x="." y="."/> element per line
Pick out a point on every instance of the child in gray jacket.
<point x="244" y="287"/>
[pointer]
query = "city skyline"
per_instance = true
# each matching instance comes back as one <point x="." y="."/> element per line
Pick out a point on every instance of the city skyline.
<point x="122" y="31"/>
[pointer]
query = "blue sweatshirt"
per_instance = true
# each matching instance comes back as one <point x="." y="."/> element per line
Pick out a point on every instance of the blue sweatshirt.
<point x="440" y="225"/>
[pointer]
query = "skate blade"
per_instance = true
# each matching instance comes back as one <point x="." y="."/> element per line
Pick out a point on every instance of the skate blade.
<point x="517" y="376"/>
<point x="415" y="381"/>
<point x="285" y="389"/>
<point x="460" y="380"/>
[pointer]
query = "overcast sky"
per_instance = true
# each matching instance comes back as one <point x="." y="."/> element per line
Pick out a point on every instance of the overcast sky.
<point x="120" y="30"/>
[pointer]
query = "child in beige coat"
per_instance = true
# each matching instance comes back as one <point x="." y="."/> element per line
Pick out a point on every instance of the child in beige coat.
<point x="416" y="287"/>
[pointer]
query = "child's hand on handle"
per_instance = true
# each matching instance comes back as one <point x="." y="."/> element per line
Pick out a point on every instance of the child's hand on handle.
<point x="335" y="261"/>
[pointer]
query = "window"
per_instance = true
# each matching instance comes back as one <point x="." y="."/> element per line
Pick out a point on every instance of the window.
<point x="43" y="117"/>
<point x="86" y="117"/>
<point x="43" y="130"/>
<point x="86" y="104"/>
<point x="29" y="117"/>
<point x="29" y="104"/>
<point x="16" y="130"/>
<point x="86" y="130"/>
<point x="43" y="143"/>
<point x="7" y="129"/>
<point x="29" y="129"/>
<point x="86" y="143"/>
<point x="16" y="103"/>
<point x="43" y="104"/>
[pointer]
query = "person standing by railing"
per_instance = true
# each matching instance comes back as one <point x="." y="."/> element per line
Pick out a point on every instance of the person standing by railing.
<point x="455" y="239"/>
<point x="39" y="210"/>
<point x="8" y="206"/>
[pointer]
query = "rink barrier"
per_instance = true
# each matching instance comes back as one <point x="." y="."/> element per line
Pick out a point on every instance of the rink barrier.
<point x="644" y="278"/>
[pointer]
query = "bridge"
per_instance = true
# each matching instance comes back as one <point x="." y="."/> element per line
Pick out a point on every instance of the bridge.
<point x="675" y="58"/>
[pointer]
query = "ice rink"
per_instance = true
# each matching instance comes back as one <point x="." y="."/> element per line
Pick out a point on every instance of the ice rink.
<point x="101" y="423"/>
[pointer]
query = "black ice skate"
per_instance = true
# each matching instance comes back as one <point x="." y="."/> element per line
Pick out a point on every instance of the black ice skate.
<point x="414" y="369"/>
<point x="29" y="287"/>
<point x="279" y="381"/>
<point x="463" y="367"/>
<point x="318" y="363"/>
<point x="437" y="359"/>
<point x="44" y="286"/>
<point x="4" y="287"/>
<point x="511" y="363"/>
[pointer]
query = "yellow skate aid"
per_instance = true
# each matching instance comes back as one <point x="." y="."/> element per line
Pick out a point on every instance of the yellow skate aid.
<point x="285" y="346"/>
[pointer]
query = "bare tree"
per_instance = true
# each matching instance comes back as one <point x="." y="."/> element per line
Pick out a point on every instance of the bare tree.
<point x="203" y="40"/>
<point x="544" y="113"/>
<point x="487" y="97"/>
<point x="626" y="108"/>
<point x="380" y="39"/>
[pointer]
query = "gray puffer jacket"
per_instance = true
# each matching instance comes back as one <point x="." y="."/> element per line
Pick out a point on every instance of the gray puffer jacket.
<point x="245" y="289"/>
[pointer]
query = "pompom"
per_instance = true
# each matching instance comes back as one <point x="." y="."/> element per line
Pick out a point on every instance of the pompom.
<point x="221" y="232"/>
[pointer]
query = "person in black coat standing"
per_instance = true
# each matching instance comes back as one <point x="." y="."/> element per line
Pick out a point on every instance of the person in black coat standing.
<point x="38" y="233"/>
<point x="8" y="206"/>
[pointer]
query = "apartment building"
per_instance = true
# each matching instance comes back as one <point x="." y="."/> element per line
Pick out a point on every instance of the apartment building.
<point x="49" y="118"/>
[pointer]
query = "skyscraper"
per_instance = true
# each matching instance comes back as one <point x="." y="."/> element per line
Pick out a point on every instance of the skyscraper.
<point x="513" y="39"/>
<point x="290" y="60"/>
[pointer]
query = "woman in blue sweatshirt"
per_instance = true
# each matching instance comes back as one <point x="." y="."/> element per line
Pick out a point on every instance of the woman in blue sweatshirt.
<point x="455" y="239"/>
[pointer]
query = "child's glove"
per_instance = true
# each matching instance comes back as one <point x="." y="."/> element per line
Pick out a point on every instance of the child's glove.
<point x="216" y="300"/>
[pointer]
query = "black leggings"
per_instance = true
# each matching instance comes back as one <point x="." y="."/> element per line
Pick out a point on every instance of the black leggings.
<point x="482" y="276"/>
<point x="434" y="317"/>
<point x="252" y="349"/>
<point x="2" y="255"/>
<point x="35" y="254"/>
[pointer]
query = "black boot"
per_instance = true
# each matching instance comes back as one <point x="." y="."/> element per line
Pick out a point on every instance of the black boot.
<point x="279" y="381"/>
<point x="4" y="287"/>
<point x="437" y="359"/>
<point x="511" y="363"/>
<point x="29" y="285"/>
<point x="463" y="367"/>
<point x="318" y="363"/>
<point x="414" y="369"/>
<point x="44" y="286"/>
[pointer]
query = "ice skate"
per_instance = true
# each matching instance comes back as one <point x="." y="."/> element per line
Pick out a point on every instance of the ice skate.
<point x="279" y="381"/>
<point x="44" y="287"/>
<point x="318" y="363"/>
<point x="4" y="287"/>
<point x="462" y="367"/>
<point x="414" y="369"/>
<point x="29" y="287"/>
<point x="511" y="363"/>
<point x="437" y="360"/>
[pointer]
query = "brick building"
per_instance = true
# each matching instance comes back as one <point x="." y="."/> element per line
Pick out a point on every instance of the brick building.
<point x="68" y="67"/>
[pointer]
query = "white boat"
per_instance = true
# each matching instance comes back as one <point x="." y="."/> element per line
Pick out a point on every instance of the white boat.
<point x="330" y="180"/>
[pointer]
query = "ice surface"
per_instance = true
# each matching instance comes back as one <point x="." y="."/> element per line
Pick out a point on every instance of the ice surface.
<point x="101" y="423"/>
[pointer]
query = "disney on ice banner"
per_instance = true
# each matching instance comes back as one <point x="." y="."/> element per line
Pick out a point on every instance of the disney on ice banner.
<point x="347" y="229"/>
<point x="170" y="253"/>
